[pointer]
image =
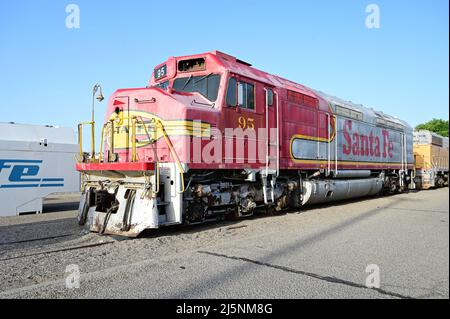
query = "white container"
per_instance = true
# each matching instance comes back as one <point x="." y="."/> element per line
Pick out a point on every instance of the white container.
<point x="35" y="161"/>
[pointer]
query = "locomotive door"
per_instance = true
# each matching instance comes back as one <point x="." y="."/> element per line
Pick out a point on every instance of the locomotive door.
<point x="242" y="116"/>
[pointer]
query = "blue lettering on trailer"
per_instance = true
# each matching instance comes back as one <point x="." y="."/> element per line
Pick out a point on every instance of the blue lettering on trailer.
<point x="24" y="174"/>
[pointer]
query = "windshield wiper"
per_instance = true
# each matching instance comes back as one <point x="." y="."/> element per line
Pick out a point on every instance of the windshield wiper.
<point x="203" y="78"/>
<point x="188" y="80"/>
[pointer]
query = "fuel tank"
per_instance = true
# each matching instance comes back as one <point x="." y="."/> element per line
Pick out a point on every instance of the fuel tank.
<point x="324" y="191"/>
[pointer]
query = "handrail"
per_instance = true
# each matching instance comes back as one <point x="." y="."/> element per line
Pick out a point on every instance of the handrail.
<point x="101" y="141"/>
<point x="268" y="137"/>
<point x="329" y="145"/>
<point x="155" y="193"/>
<point x="80" y="139"/>
<point x="336" y="136"/>
<point x="135" y="120"/>
<point x="174" y="154"/>
<point x="133" y="140"/>
<point x="278" y="135"/>
<point x="267" y="133"/>
<point x="150" y="139"/>
<point x="110" y="123"/>
<point x="111" y="141"/>
<point x="139" y="118"/>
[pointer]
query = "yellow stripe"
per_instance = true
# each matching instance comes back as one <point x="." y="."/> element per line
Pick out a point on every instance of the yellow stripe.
<point x="312" y="138"/>
<point x="172" y="128"/>
<point x="305" y="161"/>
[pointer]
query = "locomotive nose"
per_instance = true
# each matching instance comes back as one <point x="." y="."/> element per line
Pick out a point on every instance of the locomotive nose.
<point x="139" y="121"/>
<point x="145" y="102"/>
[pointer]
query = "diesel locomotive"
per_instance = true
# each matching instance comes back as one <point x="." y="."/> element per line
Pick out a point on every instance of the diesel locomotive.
<point x="211" y="137"/>
<point x="431" y="158"/>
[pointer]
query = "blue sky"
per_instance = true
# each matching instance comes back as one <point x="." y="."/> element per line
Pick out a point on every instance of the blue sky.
<point x="47" y="70"/>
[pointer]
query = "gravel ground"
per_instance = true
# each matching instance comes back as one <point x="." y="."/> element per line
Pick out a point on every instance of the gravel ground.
<point x="320" y="252"/>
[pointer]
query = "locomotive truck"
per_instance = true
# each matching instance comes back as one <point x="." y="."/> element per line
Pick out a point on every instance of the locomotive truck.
<point x="211" y="137"/>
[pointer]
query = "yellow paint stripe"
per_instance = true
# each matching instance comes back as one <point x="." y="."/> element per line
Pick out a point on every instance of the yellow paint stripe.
<point x="305" y="161"/>
<point x="312" y="138"/>
<point x="180" y="127"/>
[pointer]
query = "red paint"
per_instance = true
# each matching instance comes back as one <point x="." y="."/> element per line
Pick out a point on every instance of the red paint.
<point x="363" y="145"/>
<point x="141" y="166"/>
<point x="388" y="146"/>
<point x="347" y="149"/>
<point x="301" y="112"/>
<point x="117" y="102"/>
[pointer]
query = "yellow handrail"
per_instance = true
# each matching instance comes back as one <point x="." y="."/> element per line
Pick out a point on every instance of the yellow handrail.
<point x="80" y="139"/>
<point x="139" y="118"/>
<point x="133" y="140"/>
<point x="135" y="120"/>
<point x="101" y="142"/>
<point x="174" y="154"/>
<point x="111" y="141"/>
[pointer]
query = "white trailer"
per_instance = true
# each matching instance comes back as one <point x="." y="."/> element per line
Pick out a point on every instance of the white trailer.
<point x="35" y="161"/>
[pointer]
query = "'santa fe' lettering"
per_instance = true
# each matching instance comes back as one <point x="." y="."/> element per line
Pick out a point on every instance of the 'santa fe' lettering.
<point x="366" y="145"/>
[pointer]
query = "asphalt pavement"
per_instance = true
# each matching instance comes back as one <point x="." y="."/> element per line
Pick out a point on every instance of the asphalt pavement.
<point x="400" y="242"/>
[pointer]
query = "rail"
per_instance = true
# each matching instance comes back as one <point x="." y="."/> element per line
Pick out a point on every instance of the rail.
<point x="329" y="144"/>
<point x="172" y="151"/>
<point x="80" y="139"/>
<point x="139" y="118"/>
<point x="268" y="136"/>
<point x="108" y="131"/>
<point x="336" y="136"/>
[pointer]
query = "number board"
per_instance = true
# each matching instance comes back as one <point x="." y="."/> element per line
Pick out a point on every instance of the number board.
<point x="160" y="72"/>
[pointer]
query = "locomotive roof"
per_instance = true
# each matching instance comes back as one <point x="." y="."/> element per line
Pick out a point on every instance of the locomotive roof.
<point x="232" y="64"/>
<point x="243" y="68"/>
<point x="363" y="109"/>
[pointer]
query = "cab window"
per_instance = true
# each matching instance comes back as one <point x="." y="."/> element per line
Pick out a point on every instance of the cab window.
<point x="241" y="94"/>
<point x="231" y="92"/>
<point x="269" y="97"/>
<point x="246" y="95"/>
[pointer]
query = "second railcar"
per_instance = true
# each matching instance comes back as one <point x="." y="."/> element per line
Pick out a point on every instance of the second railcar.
<point x="431" y="155"/>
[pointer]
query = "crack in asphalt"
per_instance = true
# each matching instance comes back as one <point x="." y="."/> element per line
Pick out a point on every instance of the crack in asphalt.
<point x="36" y="239"/>
<point x="309" y="274"/>
<point x="418" y="210"/>
<point x="57" y="250"/>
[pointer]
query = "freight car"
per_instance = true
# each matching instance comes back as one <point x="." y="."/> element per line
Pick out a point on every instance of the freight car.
<point x="211" y="137"/>
<point x="431" y="159"/>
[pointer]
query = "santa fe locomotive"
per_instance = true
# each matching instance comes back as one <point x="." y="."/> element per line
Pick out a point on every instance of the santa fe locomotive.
<point x="211" y="137"/>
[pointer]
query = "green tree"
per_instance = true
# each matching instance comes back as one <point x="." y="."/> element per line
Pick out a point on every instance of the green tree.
<point x="437" y="126"/>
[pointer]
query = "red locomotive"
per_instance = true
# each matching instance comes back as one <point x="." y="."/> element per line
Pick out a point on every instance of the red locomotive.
<point x="212" y="137"/>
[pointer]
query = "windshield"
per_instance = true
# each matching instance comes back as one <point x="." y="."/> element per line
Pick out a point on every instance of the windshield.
<point x="162" y="85"/>
<point x="206" y="85"/>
